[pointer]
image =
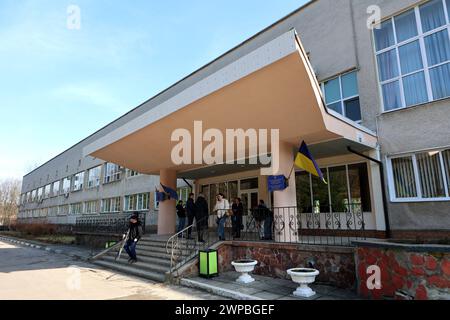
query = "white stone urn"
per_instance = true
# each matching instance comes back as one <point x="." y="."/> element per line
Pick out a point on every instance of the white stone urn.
<point x="304" y="277"/>
<point x="244" y="266"/>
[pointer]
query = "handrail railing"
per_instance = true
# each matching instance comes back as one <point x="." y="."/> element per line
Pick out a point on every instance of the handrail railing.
<point x="184" y="245"/>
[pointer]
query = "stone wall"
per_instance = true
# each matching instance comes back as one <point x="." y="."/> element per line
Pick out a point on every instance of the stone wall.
<point x="418" y="272"/>
<point x="97" y="241"/>
<point x="336" y="264"/>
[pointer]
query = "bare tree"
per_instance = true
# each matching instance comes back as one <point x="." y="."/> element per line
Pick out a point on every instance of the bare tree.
<point x="9" y="200"/>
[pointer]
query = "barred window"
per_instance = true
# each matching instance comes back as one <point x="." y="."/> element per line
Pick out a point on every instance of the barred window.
<point x="421" y="176"/>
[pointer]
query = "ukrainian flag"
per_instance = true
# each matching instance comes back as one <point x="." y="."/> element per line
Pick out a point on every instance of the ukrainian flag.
<point x="305" y="160"/>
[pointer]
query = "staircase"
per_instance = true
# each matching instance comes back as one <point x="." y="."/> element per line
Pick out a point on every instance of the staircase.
<point x="153" y="259"/>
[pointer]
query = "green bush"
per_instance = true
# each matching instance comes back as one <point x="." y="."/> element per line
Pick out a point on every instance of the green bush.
<point x="35" y="229"/>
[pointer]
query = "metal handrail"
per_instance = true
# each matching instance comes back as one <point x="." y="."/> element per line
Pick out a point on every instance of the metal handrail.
<point x="173" y="244"/>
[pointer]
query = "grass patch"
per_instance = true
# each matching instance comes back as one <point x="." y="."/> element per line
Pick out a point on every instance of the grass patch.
<point x="50" y="239"/>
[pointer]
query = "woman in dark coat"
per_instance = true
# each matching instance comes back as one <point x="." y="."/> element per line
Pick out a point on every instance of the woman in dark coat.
<point x="201" y="216"/>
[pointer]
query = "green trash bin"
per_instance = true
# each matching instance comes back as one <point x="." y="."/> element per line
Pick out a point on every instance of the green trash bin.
<point x="208" y="263"/>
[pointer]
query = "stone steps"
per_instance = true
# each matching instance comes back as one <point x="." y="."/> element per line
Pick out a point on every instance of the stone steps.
<point x="146" y="259"/>
<point x="132" y="270"/>
<point x="141" y="264"/>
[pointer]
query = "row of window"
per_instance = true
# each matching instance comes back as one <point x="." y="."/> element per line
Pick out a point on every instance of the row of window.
<point x="136" y="202"/>
<point x="420" y="176"/>
<point x="83" y="180"/>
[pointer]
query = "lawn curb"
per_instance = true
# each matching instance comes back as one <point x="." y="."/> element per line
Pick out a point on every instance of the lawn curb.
<point x="19" y="241"/>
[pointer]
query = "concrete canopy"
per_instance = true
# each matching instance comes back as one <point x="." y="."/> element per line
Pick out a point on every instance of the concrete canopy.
<point x="273" y="87"/>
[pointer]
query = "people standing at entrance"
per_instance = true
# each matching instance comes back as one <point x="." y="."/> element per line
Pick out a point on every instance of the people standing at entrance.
<point x="134" y="235"/>
<point x="260" y="217"/>
<point x="268" y="222"/>
<point x="201" y="216"/>
<point x="238" y="211"/>
<point x="190" y="210"/>
<point x="221" y="209"/>
<point x="181" y="213"/>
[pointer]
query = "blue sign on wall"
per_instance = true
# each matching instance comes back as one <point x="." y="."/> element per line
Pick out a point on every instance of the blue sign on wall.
<point x="277" y="183"/>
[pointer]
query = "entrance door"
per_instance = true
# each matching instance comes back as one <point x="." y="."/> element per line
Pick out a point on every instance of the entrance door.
<point x="249" y="200"/>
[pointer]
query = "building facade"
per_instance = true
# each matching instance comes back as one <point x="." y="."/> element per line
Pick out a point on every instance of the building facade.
<point x="381" y="88"/>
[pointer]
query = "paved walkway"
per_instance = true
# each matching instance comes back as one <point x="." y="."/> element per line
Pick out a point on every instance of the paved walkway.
<point x="264" y="288"/>
<point x="28" y="273"/>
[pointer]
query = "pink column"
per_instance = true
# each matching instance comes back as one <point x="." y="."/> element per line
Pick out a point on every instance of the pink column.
<point x="167" y="211"/>
<point x="285" y="202"/>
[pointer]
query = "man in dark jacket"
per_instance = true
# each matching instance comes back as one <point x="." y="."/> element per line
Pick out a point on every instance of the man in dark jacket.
<point x="238" y="211"/>
<point x="201" y="216"/>
<point x="134" y="235"/>
<point x="190" y="210"/>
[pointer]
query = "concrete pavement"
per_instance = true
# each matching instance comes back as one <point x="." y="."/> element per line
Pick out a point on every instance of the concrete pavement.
<point x="32" y="274"/>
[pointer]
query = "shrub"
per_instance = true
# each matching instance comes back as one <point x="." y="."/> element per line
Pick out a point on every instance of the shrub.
<point x="35" y="229"/>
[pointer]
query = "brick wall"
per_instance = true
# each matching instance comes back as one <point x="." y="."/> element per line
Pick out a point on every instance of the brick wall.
<point x="336" y="264"/>
<point x="405" y="272"/>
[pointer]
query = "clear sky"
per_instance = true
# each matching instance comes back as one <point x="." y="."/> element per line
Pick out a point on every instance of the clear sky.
<point x="58" y="85"/>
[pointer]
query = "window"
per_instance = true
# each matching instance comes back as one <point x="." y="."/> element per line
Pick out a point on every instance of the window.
<point x="247" y="184"/>
<point x="43" y="212"/>
<point x="111" y="205"/>
<point x="136" y="202"/>
<point x="183" y="193"/>
<point x="40" y="193"/>
<point x="78" y="181"/>
<point x="33" y="195"/>
<point x="63" y="210"/>
<point x="76" y="208"/>
<point x="112" y="172"/>
<point x="47" y="190"/>
<point x="421" y="176"/>
<point x="55" y="188"/>
<point x="342" y="95"/>
<point x="66" y="185"/>
<point x="132" y="173"/>
<point x="91" y="207"/>
<point x="94" y="177"/>
<point x="413" y="56"/>
<point x="347" y="190"/>
<point x="52" y="211"/>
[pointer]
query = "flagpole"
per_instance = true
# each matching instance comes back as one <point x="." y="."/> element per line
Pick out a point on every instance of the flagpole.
<point x="290" y="174"/>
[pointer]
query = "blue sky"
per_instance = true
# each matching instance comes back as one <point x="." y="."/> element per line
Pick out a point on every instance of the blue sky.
<point x="60" y="85"/>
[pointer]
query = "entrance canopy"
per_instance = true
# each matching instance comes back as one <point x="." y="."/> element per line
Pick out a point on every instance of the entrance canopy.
<point x="273" y="87"/>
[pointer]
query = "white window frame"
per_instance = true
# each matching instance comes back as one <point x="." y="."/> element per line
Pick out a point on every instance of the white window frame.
<point x="94" y="182"/>
<point x="419" y="197"/>
<point x="54" y="194"/>
<point x="63" y="210"/>
<point x="342" y="100"/>
<point x="47" y="192"/>
<point x="91" y="207"/>
<point x="78" y="181"/>
<point x="114" y="175"/>
<point x="66" y="189"/>
<point x="132" y="173"/>
<point x="137" y="199"/>
<point x="78" y="206"/>
<point x="112" y="202"/>
<point x="425" y="68"/>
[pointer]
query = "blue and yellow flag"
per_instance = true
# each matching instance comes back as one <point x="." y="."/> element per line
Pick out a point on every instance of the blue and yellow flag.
<point x="305" y="160"/>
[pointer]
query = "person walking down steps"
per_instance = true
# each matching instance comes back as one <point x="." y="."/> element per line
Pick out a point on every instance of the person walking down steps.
<point x="135" y="234"/>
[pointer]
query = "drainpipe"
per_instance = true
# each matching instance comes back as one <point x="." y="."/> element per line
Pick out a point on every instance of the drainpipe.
<point x="383" y="188"/>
